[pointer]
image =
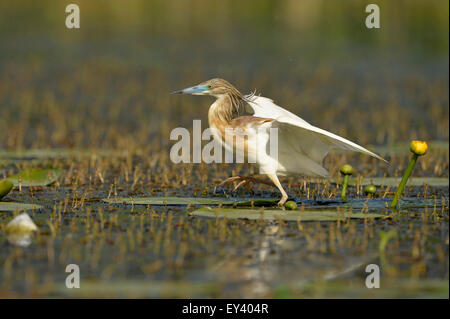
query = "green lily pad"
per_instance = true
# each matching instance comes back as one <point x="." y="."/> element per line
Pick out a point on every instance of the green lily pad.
<point x="258" y="202"/>
<point x="273" y="214"/>
<point x="380" y="203"/>
<point x="374" y="204"/>
<point x="12" y="207"/>
<point x="190" y="200"/>
<point x="36" y="177"/>
<point x="394" y="181"/>
<point x="5" y="188"/>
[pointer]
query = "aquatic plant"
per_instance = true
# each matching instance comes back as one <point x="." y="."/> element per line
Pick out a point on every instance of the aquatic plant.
<point x="5" y="188"/>
<point x="418" y="148"/>
<point x="347" y="171"/>
<point x="291" y="205"/>
<point x="370" y="190"/>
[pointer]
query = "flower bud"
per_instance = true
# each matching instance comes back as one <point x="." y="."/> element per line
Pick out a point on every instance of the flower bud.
<point x="291" y="205"/>
<point x="346" y="170"/>
<point x="418" y="147"/>
<point x="370" y="189"/>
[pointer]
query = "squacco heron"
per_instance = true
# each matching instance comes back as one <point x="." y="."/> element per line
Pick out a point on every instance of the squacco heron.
<point x="301" y="146"/>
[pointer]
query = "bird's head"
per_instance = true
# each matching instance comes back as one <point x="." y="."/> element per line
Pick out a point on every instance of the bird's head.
<point x="214" y="87"/>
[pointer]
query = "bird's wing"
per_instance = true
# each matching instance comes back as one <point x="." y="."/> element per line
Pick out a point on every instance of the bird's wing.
<point x="265" y="107"/>
<point x="299" y="135"/>
<point x="317" y="142"/>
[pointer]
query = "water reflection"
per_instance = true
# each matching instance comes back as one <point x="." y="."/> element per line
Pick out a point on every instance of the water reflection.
<point x="20" y="239"/>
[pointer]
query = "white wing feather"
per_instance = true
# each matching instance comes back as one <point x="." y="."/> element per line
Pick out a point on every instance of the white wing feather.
<point x="301" y="146"/>
<point x="264" y="107"/>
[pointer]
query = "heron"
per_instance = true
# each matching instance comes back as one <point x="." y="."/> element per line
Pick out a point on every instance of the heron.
<point x="302" y="147"/>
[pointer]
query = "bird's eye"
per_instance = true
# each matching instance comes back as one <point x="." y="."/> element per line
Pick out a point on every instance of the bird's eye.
<point x="209" y="86"/>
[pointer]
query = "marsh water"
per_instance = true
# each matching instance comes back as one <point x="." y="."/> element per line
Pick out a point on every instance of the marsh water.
<point x="94" y="103"/>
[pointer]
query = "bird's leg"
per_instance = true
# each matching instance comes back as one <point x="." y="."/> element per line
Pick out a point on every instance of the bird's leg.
<point x="245" y="181"/>
<point x="277" y="183"/>
<point x="234" y="179"/>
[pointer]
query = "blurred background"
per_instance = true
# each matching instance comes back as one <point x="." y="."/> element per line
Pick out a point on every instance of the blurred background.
<point x="104" y="89"/>
<point x="107" y="84"/>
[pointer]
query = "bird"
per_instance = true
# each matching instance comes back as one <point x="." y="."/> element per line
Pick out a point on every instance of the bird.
<point x="302" y="147"/>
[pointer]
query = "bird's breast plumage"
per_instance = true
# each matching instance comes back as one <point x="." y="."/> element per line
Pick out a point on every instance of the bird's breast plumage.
<point x="244" y="130"/>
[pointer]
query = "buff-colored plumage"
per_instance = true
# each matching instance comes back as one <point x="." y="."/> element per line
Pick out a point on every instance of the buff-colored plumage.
<point x="301" y="146"/>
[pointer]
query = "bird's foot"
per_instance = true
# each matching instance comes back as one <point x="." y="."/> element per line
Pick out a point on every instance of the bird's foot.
<point x="283" y="200"/>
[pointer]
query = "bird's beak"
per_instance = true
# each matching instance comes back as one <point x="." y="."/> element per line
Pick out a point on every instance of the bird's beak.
<point x="195" y="90"/>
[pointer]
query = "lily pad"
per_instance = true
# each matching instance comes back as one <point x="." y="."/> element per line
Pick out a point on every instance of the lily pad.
<point x="381" y="203"/>
<point x="36" y="177"/>
<point x="412" y="181"/>
<point x="5" y="188"/>
<point x="273" y="214"/>
<point x="13" y="206"/>
<point x="190" y="200"/>
<point x="374" y="203"/>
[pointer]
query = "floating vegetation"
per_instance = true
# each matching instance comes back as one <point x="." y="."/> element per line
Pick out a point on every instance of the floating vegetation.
<point x="277" y="214"/>
<point x="394" y="181"/>
<point x="190" y="201"/>
<point x="5" y="188"/>
<point x="35" y="177"/>
<point x="382" y="203"/>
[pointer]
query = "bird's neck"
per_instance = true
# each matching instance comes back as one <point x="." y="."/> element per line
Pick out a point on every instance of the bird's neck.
<point x="222" y="111"/>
